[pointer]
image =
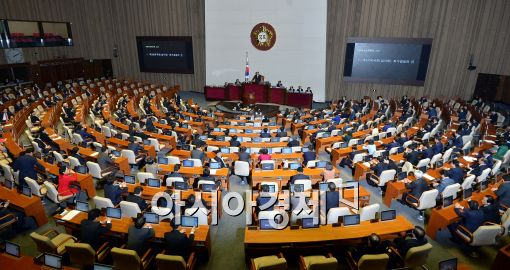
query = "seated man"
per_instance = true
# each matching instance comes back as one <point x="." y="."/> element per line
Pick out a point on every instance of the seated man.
<point x="104" y="160"/>
<point x="177" y="243"/>
<point x="374" y="246"/>
<point x="456" y="173"/>
<point x="408" y="241"/>
<point x="472" y="218"/>
<point x="415" y="188"/>
<point x="347" y="161"/>
<point x="136" y="197"/>
<point x="91" y="229"/>
<point x="503" y="192"/>
<point x="242" y="155"/>
<point x="490" y="210"/>
<point x="332" y="197"/>
<point x="74" y="152"/>
<point x="114" y="189"/>
<point x="262" y="199"/>
<point x="443" y="183"/>
<point x="310" y="155"/>
<point x="198" y="153"/>
<point x="299" y="175"/>
<point x="138" y="234"/>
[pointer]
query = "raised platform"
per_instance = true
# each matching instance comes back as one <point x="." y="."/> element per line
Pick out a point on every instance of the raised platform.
<point x="228" y="107"/>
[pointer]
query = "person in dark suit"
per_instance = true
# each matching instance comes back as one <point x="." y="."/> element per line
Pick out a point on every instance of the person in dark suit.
<point x="242" y="155"/>
<point x="427" y="152"/>
<point x="134" y="146"/>
<point x="402" y="139"/>
<point x="503" y="192"/>
<point x="178" y="243"/>
<point x="310" y="155"/>
<point x="91" y="229"/>
<point x="257" y="78"/>
<point x="332" y="197"/>
<point x="391" y="145"/>
<point x="479" y="168"/>
<point x="374" y="246"/>
<point x="25" y="165"/>
<point x="265" y="133"/>
<point x="412" y="156"/>
<point x="293" y="142"/>
<point x="472" y="218"/>
<point x="234" y="142"/>
<point x="406" y="242"/>
<point x="415" y="188"/>
<point x="113" y="190"/>
<point x="456" y="173"/>
<point x="298" y="176"/>
<point x="219" y="159"/>
<point x="347" y="161"/>
<point x="281" y="132"/>
<point x="198" y="153"/>
<point x="263" y="198"/>
<point x="197" y="142"/>
<point x="490" y="210"/>
<point x="176" y="173"/>
<point x="136" y="197"/>
<point x="138" y="234"/>
<point x="438" y="146"/>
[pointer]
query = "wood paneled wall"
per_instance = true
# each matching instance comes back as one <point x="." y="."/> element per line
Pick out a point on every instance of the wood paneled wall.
<point x="100" y="25"/>
<point x="459" y="28"/>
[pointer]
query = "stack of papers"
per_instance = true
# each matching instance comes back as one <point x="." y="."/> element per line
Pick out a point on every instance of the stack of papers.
<point x="70" y="215"/>
<point x="428" y="177"/>
<point x="469" y="159"/>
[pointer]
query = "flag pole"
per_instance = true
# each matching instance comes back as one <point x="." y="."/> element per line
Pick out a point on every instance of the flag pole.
<point x="247" y="69"/>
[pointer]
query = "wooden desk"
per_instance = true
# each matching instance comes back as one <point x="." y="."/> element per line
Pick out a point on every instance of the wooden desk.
<point x="326" y="235"/>
<point x="283" y="176"/>
<point x="23" y="262"/>
<point x="32" y="207"/>
<point x="85" y="180"/>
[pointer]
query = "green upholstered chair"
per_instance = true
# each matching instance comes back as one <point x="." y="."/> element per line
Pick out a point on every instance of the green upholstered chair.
<point x="54" y="245"/>
<point x="318" y="262"/>
<point x="127" y="259"/>
<point x="84" y="254"/>
<point x="273" y="262"/>
<point x="164" y="262"/>
<point x="368" y="261"/>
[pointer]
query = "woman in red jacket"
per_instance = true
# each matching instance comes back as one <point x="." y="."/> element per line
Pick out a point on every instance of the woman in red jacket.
<point x="65" y="179"/>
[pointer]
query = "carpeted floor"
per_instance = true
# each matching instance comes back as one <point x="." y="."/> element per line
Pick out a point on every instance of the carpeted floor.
<point x="227" y="238"/>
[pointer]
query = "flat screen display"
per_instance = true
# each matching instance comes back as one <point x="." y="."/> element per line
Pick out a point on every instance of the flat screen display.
<point x="165" y="54"/>
<point x="387" y="60"/>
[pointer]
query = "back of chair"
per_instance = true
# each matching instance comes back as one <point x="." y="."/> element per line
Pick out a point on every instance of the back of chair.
<point x="81" y="253"/>
<point x="486" y="235"/>
<point x="269" y="263"/>
<point x="320" y="262"/>
<point x="417" y="256"/>
<point x="43" y="243"/>
<point x="164" y="262"/>
<point x="129" y="209"/>
<point x="130" y="155"/>
<point x="125" y="259"/>
<point x="373" y="262"/>
<point x="143" y="176"/>
<point x="336" y="212"/>
<point x="451" y="190"/>
<point x="242" y="168"/>
<point x="173" y="160"/>
<point x="307" y="184"/>
<point x="94" y="170"/>
<point x="428" y="199"/>
<point x="102" y="202"/>
<point x="368" y="212"/>
<point x="52" y="192"/>
<point x="34" y="187"/>
<point x="468" y="182"/>
<point x="386" y="176"/>
<point x="171" y="180"/>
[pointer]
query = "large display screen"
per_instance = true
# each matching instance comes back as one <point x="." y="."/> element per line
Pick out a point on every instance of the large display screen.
<point x="391" y="61"/>
<point x="165" y="54"/>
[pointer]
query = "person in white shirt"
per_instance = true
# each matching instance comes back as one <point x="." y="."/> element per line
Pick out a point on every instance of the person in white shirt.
<point x="370" y="147"/>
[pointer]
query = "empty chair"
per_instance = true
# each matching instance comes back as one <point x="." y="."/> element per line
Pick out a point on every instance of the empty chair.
<point x="423" y="163"/>
<point x="335" y="213"/>
<point x="52" y="241"/>
<point x="468" y="182"/>
<point x="164" y="262"/>
<point x="83" y="254"/>
<point x="102" y="202"/>
<point x="368" y="212"/>
<point x="130" y="155"/>
<point x="143" y="176"/>
<point x="451" y="190"/>
<point x="242" y="168"/>
<point x="318" y="262"/>
<point x="200" y="212"/>
<point x="427" y="200"/>
<point x="35" y="188"/>
<point x="415" y="256"/>
<point x="127" y="259"/>
<point x="273" y="262"/>
<point x="368" y="261"/>
<point x="434" y="160"/>
<point x="485" y="235"/>
<point x="129" y="209"/>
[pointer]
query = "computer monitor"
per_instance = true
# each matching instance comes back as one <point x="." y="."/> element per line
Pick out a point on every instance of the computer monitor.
<point x="275" y="139"/>
<point x="180" y="185"/>
<point x="12" y="249"/>
<point x="214" y="165"/>
<point x="151" y="218"/>
<point x="98" y="266"/>
<point x="439" y="163"/>
<point x="267" y="166"/>
<point x="321" y="164"/>
<point x="186" y="147"/>
<point x="271" y="188"/>
<point x="146" y="142"/>
<point x="467" y="193"/>
<point x="187" y="163"/>
<point x="8" y="184"/>
<point x="484" y="185"/>
<point x="350" y="220"/>
<point x="187" y="221"/>
<point x="81" y="169"/>
<point x="294" y="166"/>
<point x="310" y="127"/>
<point x="366" y="158"/>
<point x="113" y="212"/>
<point x="232" y="130"/>
<point x="447" y="201"/>
<point x="27" y="191"/>
<point x="116" y="153"/>
<point x="286" y="150"/>
<point x="297" y="188"/>
<point x="388" y="215"/>
<point x="248" y="131"/>
<point x="225" y="150"/>
<point x="450" y="264"/>
<point x="323" y="186"/>
<point x="220" y="138"/>
<point x="326" y="134"/>
<point x="265" y="224"/>
<point x="129" y="179"/>
<point x="304" y="149"/>
<point x="185" y="126"/>
<point x="163" y="160"/>
<point x="402" y="175"/>
<point x="203" y="137"/>
<point x="82" y="206"/>
<point x="256" y="139"/>
<point x="241" y="124"/>
<point x="217" y="129"/>
<point x="153" y="182"/>
<point x="52" y="261"/>
<point x="308" y="223"/>
<point x="208" y="187"/>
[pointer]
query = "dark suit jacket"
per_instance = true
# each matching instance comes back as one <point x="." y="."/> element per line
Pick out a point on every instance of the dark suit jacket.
<point x="292" y="143"/>
<point x="417" y="187"/>
<point x="243" y="156"/>
<point x="503" y="193"/>
<point x="413" y="157"/>
<point x="403" y="245"/>
<point x="114" y="192"/>
<point x="491" y="213"/>
<point x="137" y="238"/>
<point x="456" y="174"/>
<point x="178" y="243"/>
<point x="472" y="218"/>
<point x="332" y="200"/>
<point x="308" y="156"/>
<point x="265" y="135"/>
<point x="235" y="143"/>
<point x="26" y="164"/>
<point x="141" y="202"/>
<point x="298" y="177"/>
<point x="90" y="232"/>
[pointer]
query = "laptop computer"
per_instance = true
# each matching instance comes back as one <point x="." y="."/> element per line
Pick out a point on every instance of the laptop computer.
<point x="286" y="150"/>
<point x="271" y="188"/>
<point x="12" y="249"/>
<point x="52" y="261"/>
<point x="187" y="221"/>
<point x="265" y="224"/>
<point x="466" y="194"/>
<point x="450" y="264"/>
<point x="151" y="218"/>
<point x="203" y="137"/>
<point x="82" y="206"/>
<point x="208" y="187"/>
<point x="27" y="191"/>
<point x="248" y="131"/>
<point x="187" y="163"/>
<point x="214" y="165"/>
<point x="267" y="166"/>
<point x="113" y="212"/>
<point x="349" y="220"/>
<point x="388" y="215"/>
<point x="180" y="185"/>
<point x="217" y="129"/>
<point x="163" y="160"/>
<point x="447" y="201"/>
<point x="256" y="139"/>
<point x="129" y="179"/>
<point x="153" y="182"/>
<point x="220" y="138"/>
<point x="81" y="169"/>
<point x="307" y="223"/>
<point x="232" y="130"/>
<point x="294" y="166"/>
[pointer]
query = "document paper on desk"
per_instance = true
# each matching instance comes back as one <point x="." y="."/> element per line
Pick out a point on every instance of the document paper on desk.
<point x="70" y="215"/>
<point x="367" y="164"/>
<point x="428" y="177"/>
<point x="469" y="159"/>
